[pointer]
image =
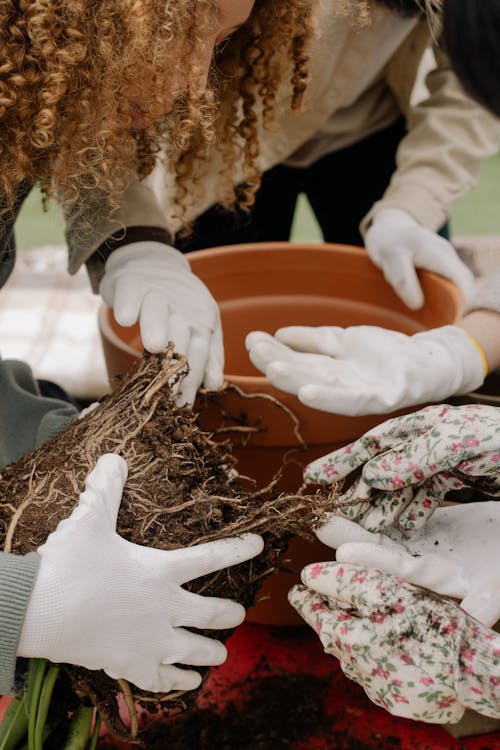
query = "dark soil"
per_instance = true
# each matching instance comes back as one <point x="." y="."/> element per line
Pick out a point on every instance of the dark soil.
<point x="280" y="711"/>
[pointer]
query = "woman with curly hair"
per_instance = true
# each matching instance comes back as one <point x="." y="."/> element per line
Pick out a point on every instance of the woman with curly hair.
<point x="92" y="93"/>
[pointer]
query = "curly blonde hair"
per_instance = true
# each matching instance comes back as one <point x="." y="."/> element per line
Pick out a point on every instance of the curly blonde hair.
<point x="69" y="70"/>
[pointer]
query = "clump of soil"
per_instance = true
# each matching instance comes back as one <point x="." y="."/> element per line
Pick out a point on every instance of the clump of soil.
<point x="182" y="490"/>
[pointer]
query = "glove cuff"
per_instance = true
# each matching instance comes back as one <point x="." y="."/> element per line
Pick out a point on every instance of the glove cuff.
<point x="43" y="624"/>
<point x="144" y="253"/>
<point x="479" y="349"/>
<point x="394" y="217"/>
<point x="461" y="358"/>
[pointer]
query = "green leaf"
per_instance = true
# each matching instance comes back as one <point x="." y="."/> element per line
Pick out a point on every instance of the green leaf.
<point x="95" y="733"/>
<point x="79" y="729"/>
<point x="36" y="675"/>
<point x="44" y="705"/>
<point x="14" y="725"/>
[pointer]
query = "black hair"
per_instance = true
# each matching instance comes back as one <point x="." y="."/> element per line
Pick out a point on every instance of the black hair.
<point x="405" y="8"/>
<point x="471" y="34"/>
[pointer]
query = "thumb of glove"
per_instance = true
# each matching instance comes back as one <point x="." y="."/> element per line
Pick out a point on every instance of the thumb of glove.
<point x="100" y="501"/>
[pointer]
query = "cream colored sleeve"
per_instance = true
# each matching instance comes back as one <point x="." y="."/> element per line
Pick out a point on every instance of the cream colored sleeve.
<point x="437" y="161"/>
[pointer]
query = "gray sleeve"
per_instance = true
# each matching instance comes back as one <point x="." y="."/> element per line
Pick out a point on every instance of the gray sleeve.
<point x="487" y="295"/>
<point x="27" y="419"/>
<point x="17" y="578"/>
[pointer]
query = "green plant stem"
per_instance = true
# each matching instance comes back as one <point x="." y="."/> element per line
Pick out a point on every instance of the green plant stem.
<point x="14" y="725"/>
<point x="95" y="733"/>
<point x="43" y="706"/>
<point x="79" y="729"/>
<point x="36" y="675"/>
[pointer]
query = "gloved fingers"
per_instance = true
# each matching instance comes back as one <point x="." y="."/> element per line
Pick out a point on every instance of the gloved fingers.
<point x="419" y="510"/>
<point x="179" y="333"/>
<point x="187" y="386"/>
<point x="483" y="605"/>
<point x="337" y="465"/>
<point x="339" y="399"/>
<point x="290" y="374"/>
<point x="194" y="649"/>
<point x="263" y="349"/>
<point x="412" y="462"/>
<point x="430" y="571"/>
<point x="357" y="500"/>
<point x="367" y="450"/>
<point x="287" y="377"/>
<point x="317" y="613"/>
<point x="326" y="340"/>
<point x="394" y="560"/>
<point x="185" y="393"/>
<point x="160" y="678"/>
<point x="172" y="678"/>
<point x="214" y="368"/>
<point x="430" y="495"/>
<point x="443" y="259"/>
<point x="197" y="352"/>
<point x="338" y="531"/>
<point x="400" y="273"/>
<point x="103" y="489"/>
<point x="155" y="321"/>
<point x="126" y="300"/>
<point x="357" y="587"/>
<point x="304" y="372"/>
<point x="481" y="471"/>
<point x="254" y="338"/>
<point x="207" y="612"/>
<point x="385" y="509"/>
<point x="192" y="562"/>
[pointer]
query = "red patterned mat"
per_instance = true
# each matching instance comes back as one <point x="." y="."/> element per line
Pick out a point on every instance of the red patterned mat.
<point x="279" y="690"/>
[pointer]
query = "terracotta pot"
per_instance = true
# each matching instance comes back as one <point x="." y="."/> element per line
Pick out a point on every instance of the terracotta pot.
<point x="263" y="287"/>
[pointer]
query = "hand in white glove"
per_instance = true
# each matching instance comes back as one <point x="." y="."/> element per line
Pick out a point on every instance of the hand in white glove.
<point x="456" y="554"/>
<point x="398" y="245"/>
<point x="104" y="603"/>
<point x="152" y="283"/>
<point x="410" y="463"/>
<point x="414" y="654"/>
<point x="366" y="369"/>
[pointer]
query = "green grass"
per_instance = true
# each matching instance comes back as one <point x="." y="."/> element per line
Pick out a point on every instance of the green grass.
<point x="478" y="212"/>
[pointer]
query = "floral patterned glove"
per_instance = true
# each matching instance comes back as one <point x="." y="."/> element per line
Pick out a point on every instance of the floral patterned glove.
<point x="409" y="464"/>
<point x="414" y="654"/>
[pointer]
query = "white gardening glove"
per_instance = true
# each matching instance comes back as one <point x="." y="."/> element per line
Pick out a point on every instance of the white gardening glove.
<point x="414" y="654"/>
<point x="365" y="369"/>
<point x="104" y="603"/>
<point x="457" y="554"/>
<point x="152" y="283"/>
<point x="409" y="464"/>
<point x="398" y="245"/>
